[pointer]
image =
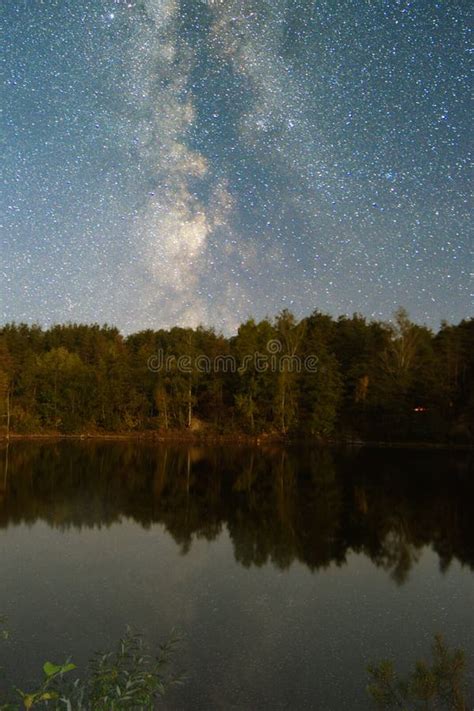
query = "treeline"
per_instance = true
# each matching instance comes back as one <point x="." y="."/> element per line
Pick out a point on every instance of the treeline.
<point x="319" y="377"/>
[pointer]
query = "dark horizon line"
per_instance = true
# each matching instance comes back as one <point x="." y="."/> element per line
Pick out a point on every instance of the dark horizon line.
<point x="219" y="332"/>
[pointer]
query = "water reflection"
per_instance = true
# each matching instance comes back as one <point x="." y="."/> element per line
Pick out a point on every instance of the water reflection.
<point x="278" y="504"/>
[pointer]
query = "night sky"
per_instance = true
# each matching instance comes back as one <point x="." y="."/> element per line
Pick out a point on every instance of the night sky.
<point x="175" y="163"/>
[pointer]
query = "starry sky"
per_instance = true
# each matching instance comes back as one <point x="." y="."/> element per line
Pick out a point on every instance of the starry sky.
<point x="177" y="162"/>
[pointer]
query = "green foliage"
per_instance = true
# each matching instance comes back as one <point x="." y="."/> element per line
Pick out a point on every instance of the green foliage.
<point x="439" y="685"/>
<point x="391" y="382"/>
<point x="46" y="691"/>
<point x="128" y="678"/>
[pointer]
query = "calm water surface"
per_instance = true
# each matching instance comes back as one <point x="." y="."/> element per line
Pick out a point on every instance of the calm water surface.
<point x="287" y="570"/>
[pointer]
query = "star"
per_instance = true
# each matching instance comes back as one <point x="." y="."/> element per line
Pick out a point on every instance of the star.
<point x="176" y="163"/>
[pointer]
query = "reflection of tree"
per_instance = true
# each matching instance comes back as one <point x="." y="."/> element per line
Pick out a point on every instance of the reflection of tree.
<point x="4" y="471"/>
<point x="279" y="505"/>
<point x="398" y="555"/>
<point x="414" y="499"/>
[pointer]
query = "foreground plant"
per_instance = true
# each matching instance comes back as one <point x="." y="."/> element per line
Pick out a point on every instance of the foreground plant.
<point x="46" y="692"/>
<point x="439" y="685"/>
<point x="128" y="678"/>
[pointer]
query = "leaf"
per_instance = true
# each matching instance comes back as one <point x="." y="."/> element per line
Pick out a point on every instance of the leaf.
<point x="48" y="695"/>
<point x="67" y="667"/>
<point x="51" y="669"/>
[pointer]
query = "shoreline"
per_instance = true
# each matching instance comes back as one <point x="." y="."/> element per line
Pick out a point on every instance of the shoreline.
<point x="231" y="439"/>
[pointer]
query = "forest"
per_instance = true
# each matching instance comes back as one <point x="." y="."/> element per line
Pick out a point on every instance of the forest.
<point x="369" y="380"/>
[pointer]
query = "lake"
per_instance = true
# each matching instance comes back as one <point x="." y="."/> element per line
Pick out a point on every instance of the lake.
<point x="287" y="570"/>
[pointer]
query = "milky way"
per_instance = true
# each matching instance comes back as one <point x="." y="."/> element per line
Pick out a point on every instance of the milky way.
<point x="193" y="162"/>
